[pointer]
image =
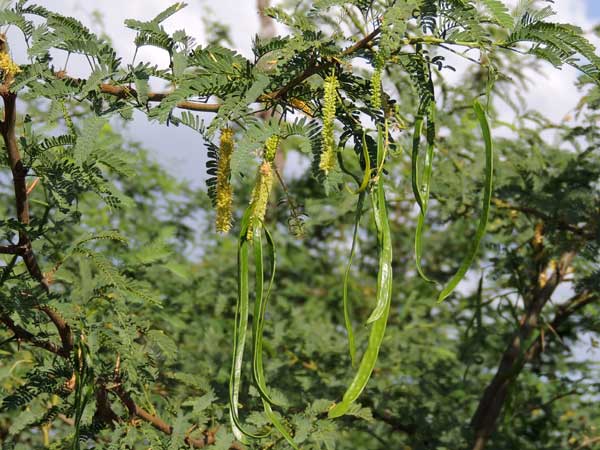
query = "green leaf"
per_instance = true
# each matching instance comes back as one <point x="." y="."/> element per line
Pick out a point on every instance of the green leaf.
<point x="499" y="12"/>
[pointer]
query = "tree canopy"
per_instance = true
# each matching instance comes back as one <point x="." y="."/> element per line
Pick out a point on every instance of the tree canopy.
<point x="426" y="277"/>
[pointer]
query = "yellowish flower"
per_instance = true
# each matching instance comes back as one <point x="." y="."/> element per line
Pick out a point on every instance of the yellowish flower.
<point x="376" y="88"/>
<point x="328" y="152"/>
<point x="7" y="66"/>
<point x="271" y="148"/>
<point x="223" y="188"/>
<point x="260" y="198"/>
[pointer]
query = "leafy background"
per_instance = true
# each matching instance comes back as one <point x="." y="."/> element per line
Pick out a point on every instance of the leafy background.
<point x="160" y="294"/>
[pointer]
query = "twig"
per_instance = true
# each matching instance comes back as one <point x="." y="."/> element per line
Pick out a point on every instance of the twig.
<point x="19" y="172"/>
<point x="161" y="425"/>
<point x="501" y="204"/>
<point x="12" y="250"/>
<point x="22" y="334"/>
<point x="32" y="186"/>
<point x="547" y="403"/>
<point x="588" y="442"/>
<point x="320" y="67"/>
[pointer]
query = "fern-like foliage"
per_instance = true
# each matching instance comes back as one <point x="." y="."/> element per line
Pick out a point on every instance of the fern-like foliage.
<point x="428" y="15"/>
<point x="38" y="382"/>
<point x="144" y="301"/>
<point x="558" y="44"/>
<point x="499" y="13"/>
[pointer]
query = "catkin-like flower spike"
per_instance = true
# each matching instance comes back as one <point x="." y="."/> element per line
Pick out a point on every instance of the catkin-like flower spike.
<point x="260" y="198"/>
<point x="376" y="83"/>
<point x="271" y="148"/>
<point x="8" y="67"/>
<point x="67" y="117"/>
<point x="328" y="152"/>
<point x="223" y="189"/>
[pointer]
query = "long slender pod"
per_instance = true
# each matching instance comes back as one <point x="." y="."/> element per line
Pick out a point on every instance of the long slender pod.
<point x="487" y="196"/>
<point x="367" y="173"/>
<point x="260" y="318"/>
<point x="273" y="262"/>
<point x="422" y="189"/>
<point x="385" y="254"/>
<point x="83" y="387"/>
<point x="239" y="335"/>
<point x="260" y="307"/>
<point x="418" y="129"/>
<point x="260" y="304"/>
<point x="384" y="288"/>
<point x="347" y="320"/>
<point x="278" y="425"/>
<point x="384" y="294"/>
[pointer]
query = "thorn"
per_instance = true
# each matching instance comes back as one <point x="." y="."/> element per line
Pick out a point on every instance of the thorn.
<point x="32" y="186"/>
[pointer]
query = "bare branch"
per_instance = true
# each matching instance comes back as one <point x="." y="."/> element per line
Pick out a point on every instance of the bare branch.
<point x="126" y="92"/>
<point x="561" y="224"/>
<point x="516" y="354"/>
<point x="23" y="335"/>
<point x="12" y="250"/>
<point x="161" y="425"/>
<point x="24" y="249"/>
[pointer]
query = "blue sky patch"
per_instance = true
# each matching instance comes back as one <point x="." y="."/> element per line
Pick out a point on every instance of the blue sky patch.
<point x="594" y="8"/>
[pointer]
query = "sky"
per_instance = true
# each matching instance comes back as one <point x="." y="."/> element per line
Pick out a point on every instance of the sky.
<point x="182" y="148"/>
<point x="593" y="8"/>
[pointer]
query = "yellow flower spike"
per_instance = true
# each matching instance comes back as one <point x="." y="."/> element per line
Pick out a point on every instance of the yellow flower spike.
<point x="376" y="89"/>
<point x="260" y="198"/>
<point x="8" y="67"/>
<point x="271" y="148"/>
<point x="223" y="188"/>
<point x="328" y="153"/>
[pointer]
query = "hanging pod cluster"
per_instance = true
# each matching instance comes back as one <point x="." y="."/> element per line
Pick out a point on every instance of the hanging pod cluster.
<point x="375" y="186"/>
<point x="371" y="185"/>
<point x="251" y="237"/>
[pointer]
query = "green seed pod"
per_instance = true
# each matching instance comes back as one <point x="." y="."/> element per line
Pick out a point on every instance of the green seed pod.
<point x="223" y="188"/>
<point x="328" y="153"/>
<point x="260" y="198"/>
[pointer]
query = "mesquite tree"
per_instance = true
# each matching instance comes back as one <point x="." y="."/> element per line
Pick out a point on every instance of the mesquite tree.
<point x="117" y="335"/>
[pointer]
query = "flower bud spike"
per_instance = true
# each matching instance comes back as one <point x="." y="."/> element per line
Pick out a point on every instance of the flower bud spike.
<point x="224" y="190"/>
<point x="328" y="153"/>
<point x="260" y="198"/>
